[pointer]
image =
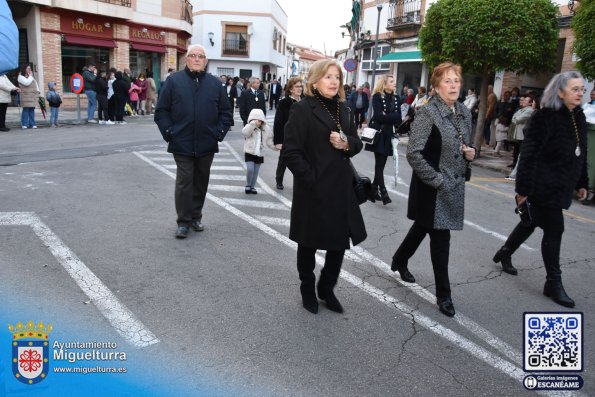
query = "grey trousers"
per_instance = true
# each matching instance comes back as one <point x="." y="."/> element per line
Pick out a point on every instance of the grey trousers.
<point x="192" y="181"/>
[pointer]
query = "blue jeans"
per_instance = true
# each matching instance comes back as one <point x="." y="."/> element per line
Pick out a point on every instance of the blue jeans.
<point x="54" y="115"/>
<point x="28" y="117"/>
<point x="92" y="97"/>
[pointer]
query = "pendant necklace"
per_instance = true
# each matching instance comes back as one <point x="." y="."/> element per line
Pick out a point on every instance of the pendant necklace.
<point x="336" y="120"/>
<point x="577" y="151"/>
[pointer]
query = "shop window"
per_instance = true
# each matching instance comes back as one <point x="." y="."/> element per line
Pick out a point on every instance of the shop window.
<point x="74" y="58"/>
<point x="368" y="61"/>
<point x="236" y="40"/>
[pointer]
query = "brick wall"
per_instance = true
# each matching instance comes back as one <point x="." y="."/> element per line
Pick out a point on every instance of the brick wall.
<point x="567" y="62"/>
<point x="121" y="55"/>
<point x="52" y="47"/>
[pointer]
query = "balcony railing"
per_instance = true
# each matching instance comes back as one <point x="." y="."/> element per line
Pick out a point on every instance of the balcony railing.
<point x="123" y="3"/>
<point x="404" y="14"/>
<point x="235" y="47"/>
<point x="187" y="11"/>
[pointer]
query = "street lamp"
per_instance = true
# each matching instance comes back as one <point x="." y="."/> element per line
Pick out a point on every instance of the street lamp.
<point x="375" y="55"/>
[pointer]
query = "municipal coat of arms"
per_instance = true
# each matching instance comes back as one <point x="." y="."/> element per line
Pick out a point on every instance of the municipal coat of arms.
<point x="30" y="351"/>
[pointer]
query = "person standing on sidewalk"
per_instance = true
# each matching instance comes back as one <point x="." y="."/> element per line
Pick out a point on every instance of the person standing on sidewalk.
<point x="89" y="76"/>
<point x="29" y="97"/>
<point x="102" y="103"/>
<point x="193" y="114"/>
<point x="6" y="89"/>
<point x="151" y="92"/>
<point x="54" y="101"/>
<point x="551" y="167"/>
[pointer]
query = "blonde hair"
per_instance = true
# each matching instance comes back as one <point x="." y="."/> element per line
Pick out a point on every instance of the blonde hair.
<point x="382" y="81"/>
<point x="317" y="72"/>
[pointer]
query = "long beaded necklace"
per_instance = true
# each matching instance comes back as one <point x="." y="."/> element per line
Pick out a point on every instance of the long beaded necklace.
<point x="336" y="120"/>
<point x="577" y="151"/>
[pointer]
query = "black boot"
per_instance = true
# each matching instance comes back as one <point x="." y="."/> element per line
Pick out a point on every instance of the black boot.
<point x="398" y="266"/>
<point x="309" y="298"/>
<point x="384" y="195"/>
<point x="376" y="192"/>
<point x="555" y="290"/>
<point x="329" y="297"/>
<point x="504" y="256"/>
<point x="445" y="305"/>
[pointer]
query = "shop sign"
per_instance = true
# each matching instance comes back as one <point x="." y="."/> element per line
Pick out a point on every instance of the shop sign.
<point x="143" y="34"/>
<point x="86" y="25"/>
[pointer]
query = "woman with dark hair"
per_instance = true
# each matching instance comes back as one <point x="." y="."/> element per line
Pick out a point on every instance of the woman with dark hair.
<point x="386" y="107"/>
<point x="232" y="94"/>
<point x="121" y="88"/>
<point x="293" y="94"/>
<point x="552" y="166"/>
<point x="142" y="84"/>
<point x="29" y="96"/>
<point x="320" y="137"/>
<point x="439" y="152"/>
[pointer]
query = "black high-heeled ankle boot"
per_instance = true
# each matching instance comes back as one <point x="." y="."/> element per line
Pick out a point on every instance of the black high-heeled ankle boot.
<point x="555" y="290"/>
<point x="332" y="303"/>
<point x="376" y="192"/>
<point x="384" y="195"/>
<point x="504" y="256"/>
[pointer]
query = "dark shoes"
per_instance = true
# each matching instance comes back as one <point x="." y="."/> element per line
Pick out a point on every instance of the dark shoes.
<point x="376" y="192"/>
<point x="197" y="226"/>
<point x="332" y="303"/>
<point x="403" y="271"/>
<point x="250" y="190"/>
<point x="279" y="186"/>
<point x="555" y="290"/>
<point x="309" y="299"/>
<point x="182" y="232"/>
<point x="445" y="305"/>
<point x="4" y="129"/>
<point x="504" y="256"/>
<point x="384" y="195"/>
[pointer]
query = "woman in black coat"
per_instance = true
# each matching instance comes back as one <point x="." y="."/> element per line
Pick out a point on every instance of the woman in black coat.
<point x="320" y="137"/>
<point x="232" y="94"/>
<point x="293" y="94"/>
<point x="552" y="166"/>
<point x="387" y="114"/>
<point x="120" y="87"/>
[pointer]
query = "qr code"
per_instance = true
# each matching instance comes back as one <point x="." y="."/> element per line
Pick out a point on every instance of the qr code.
<point x="553" y="342"/>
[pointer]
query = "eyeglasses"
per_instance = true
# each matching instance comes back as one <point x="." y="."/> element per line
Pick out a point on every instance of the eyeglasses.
<point x="578" y="90"/>
<point x="199" y="56"/>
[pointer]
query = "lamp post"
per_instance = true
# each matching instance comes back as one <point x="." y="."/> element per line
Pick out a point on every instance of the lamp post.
<point x="374" y="56"/>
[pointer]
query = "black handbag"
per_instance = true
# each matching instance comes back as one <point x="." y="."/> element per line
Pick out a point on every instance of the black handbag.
<point x="468" y="172"/>
<point x="524" y="212"/>
<point x="362" y="185"/>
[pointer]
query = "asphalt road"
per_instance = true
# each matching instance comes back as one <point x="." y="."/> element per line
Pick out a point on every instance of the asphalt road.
<point x="219" y="313"/>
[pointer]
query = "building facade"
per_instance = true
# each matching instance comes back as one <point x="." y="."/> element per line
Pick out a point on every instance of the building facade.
<point x="242" y="38"/>
<point x="59" y="37"/>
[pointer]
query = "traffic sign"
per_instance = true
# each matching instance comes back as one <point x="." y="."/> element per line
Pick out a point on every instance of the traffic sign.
<point x="77" y="83"/>
<point x="350" y="64"/>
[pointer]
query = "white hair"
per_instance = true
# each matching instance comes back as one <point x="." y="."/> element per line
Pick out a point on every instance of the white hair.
<point x="193" y="47"/>
<point x="550" y="98"/>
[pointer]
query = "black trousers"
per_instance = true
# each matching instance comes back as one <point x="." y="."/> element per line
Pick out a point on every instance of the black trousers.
<point x="439" y="253"/>
<point x="274" y="100"/>
<point x="111" y="108"/>
<point x="516" y="151"/>
<point x="192" y="181"/>
<point x="379" y="164"/>
<point x="119" y="103"/>
<point x="3" y="107"/>
<point x="551" y="221"/>
<point x="102" y="108"/>
<point x="360" y="115"/>
<point x="280" y="170"/>
<point x="306" y="262"/>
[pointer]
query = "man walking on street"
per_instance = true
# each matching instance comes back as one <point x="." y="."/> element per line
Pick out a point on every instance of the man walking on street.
<point x="193" y="114"/>
<point x="275" y="94"/>
<point x="251" y="98"/>
<point x="89" y="76"/>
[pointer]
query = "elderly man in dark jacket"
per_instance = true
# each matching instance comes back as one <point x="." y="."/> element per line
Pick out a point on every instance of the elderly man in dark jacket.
<point x="193" y="114"/>
<point x="251" y="98"/>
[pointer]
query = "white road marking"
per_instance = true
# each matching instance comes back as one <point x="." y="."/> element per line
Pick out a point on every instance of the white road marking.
<point x="414" y="315"/>
<point x="226" y="168"/>
<point x="227" y="188"/>
<point x="223" y="160"/>
<point x="122" y="319"/>
<point x="228" y="177"/>
<point x="256" y="204"/>
<point x="269" y="220"/>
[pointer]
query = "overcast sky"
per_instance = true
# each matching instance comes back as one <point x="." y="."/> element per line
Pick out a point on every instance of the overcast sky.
<point x="316" y="23"/>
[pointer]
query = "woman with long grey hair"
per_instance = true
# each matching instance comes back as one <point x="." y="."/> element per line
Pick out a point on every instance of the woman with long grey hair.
<point x="552" y="167"/>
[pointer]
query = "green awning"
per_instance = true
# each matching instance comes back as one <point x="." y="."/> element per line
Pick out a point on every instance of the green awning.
<point x="401" y="56"/>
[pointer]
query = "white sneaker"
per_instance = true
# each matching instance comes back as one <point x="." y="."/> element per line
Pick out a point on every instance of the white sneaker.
<point x="93" y="121"/>
<point x="24" y="127"/>
<point x="101" y="121"/>
<point x="109" y="122"/>
<point x="123" y="122"/>
<point x="34" y="127"/>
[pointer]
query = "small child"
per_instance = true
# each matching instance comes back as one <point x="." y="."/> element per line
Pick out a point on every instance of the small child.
<point x="133" y="92"/>
<point x="501" y="134"/>
<point x="54" y="101"/>
<point x="256" y="134"/>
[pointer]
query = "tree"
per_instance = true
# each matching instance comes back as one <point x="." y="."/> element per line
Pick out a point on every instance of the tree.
<point x="584" y="44"/>
<point x="485" y="36"/>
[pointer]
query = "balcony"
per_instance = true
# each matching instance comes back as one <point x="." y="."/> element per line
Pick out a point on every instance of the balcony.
<point x="404" y="14"/>
<point x="235" y="47"/>
<point x="123" y="3"/>
<point x="187" y="12"/>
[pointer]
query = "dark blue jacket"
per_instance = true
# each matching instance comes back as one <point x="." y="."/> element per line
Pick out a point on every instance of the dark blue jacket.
<point x="353" y="100"/>
<point x="193" y="113"/>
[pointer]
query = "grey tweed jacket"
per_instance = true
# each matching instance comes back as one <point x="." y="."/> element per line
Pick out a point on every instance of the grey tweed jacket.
<point x="437" y="190"/>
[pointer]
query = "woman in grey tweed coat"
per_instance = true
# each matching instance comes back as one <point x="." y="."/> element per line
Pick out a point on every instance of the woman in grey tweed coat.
<point x="438" y="152"/>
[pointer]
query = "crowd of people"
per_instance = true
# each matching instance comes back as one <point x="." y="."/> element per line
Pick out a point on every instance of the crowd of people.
<point x="316" y="129"/>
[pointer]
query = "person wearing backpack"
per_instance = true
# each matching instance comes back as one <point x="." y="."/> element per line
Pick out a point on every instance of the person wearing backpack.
<point x="55" y="101"/>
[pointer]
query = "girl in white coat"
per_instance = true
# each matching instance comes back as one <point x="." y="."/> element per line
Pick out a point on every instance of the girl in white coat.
<point x="257" y="134"/>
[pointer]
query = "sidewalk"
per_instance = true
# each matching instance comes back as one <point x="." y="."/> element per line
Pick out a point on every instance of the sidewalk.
<point x="66" y="116"/>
